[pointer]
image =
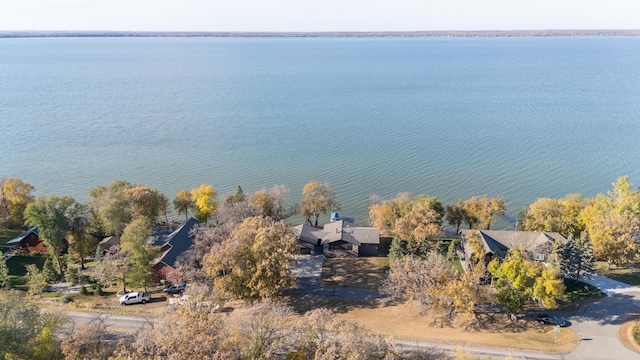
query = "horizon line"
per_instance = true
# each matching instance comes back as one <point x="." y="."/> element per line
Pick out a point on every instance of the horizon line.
<point x="324" y="33"/>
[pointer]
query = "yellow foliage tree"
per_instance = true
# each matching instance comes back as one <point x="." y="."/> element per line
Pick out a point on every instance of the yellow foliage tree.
<point x="318" y="198"/>
<point x="204" y="200"/>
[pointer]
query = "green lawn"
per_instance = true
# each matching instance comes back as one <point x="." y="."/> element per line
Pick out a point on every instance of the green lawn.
<point x="627" y="275"/>
<point x="6" y="235"/>
<point x="578" y="290"/>
<point x="16" y="264"/>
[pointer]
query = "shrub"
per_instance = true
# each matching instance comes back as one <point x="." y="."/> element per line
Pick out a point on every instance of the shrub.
<point x="71" y="275"/>
<point x="83" y="290"/>
<point x="635" y="333"/>
<point x="66" y="298"/>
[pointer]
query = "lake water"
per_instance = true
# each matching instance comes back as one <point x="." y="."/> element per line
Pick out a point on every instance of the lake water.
<point x="451" y="117"/>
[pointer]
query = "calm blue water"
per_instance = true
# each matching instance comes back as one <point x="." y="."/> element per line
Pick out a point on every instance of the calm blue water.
<point x="452" y="117"/>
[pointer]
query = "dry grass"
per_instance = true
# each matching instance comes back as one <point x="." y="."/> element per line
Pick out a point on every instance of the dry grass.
<point x="360" y="273"/>
<point x="109" y="304"/>
<point x="625" y="333"/>
<point x="402" y="322"/>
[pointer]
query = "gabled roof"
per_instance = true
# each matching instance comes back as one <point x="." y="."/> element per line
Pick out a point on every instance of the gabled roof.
<point x="497" y="241"/>
<point x="338" y="231"/>
<point x="178" y="241"/>
<point x="23" y="235"/>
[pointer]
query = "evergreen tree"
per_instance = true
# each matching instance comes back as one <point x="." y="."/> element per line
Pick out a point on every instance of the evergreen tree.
<point x="49" y="270"/>
<point x="99" y="254"/>
<point x="451" y="251"/>
<point x="239" y="195"/>
<point x="400" y="248"/>
<point x="5" y="282"/>
<point x="582" y="260"/>
<point x="575" y="257"/>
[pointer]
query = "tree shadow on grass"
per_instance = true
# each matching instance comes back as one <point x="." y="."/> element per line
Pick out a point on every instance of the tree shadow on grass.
<point x="301" y="303"/>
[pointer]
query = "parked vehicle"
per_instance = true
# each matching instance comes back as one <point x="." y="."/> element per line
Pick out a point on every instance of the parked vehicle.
<point x="175" y="288"/>
<point x="545" y="319"/>
<point x="135" y="298"/>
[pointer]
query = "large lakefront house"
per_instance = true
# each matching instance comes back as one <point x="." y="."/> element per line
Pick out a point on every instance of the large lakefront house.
<point x="535" y="245"/>
<point x="172" y="246"/>
<point x="338" y="238"/>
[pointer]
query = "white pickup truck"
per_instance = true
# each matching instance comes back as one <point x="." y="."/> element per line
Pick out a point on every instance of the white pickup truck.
<point x="134" y="298"/>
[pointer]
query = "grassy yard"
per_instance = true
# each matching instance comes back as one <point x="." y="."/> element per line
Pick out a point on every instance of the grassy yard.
<point x="578" y="290"/>
<point x="360" y="273"/>
<point x="627" y="275"/>
<point x="403" y="321"/>
<point x="17" y="270"/>
<point x="629" y="333"/>
<point x="6" y="235"/>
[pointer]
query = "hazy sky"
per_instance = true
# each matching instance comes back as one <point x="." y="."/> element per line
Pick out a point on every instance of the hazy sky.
<point x="317" y="15"/>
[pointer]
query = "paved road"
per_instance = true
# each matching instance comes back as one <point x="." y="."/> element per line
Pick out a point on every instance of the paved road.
<point x="483" y="352"/>
<point x="115" y="323"/>
<point x="597" y="322"/>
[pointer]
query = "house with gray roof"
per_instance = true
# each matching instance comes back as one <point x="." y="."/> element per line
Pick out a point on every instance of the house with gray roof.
<point x="536" y="246"/>
<point x="176" y="244"/>
<point x="338" y="238"/>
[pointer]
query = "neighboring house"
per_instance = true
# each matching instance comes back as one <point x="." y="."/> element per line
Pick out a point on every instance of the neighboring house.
<point x="28" y="241"/>
<point x="176" y="244"/>
<point x="107" y="243"/>
<point x="339" y="237"/>
<point x="535" y="245"/>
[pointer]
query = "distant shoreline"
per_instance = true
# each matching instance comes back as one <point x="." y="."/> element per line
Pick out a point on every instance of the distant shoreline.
<point x="451" y="33"/>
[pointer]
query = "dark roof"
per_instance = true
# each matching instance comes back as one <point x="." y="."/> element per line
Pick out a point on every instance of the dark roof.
<point x="23" y="235"/>
<point x="179" y="241"/>
<point x="496" y="241"/>
<point x="338" y="231"/>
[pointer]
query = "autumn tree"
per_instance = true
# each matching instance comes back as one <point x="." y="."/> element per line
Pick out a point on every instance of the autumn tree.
<point x="35" y="279"/>
<point x="555" y="215"/>
<point x="49" y="214"/>
<point x="204" y="202"/>
<point x="115" y="265"/>
<point x="415" y="223"/>
<point x="24" y="328"/>
<point x="480" y="211"/>
<point x="455" y="214"/>
<point x="186" y="332"/>
<point x="5" y="281"/>
<point x="262" y="333"/>
<point x="273" y="201"/>
<point x="111" y="204"/>
<point x="145" y="202"/>
<point x="321" y="335"/>
<point x="613" y="222"/>
<point x="255" y="261"/>
<point x="15" y="195"/>
<point x="87" y="341"/>
<point x="317" y="199"/>
<point x="424" y="281"/>
<point x="183" y="203"/>
<point x="81" y="243"/>
<point x="518" y="280"/>
<point x="134" y="243"/>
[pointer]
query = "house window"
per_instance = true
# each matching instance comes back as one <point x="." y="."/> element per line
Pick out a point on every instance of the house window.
<point x="539" y="257"/>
